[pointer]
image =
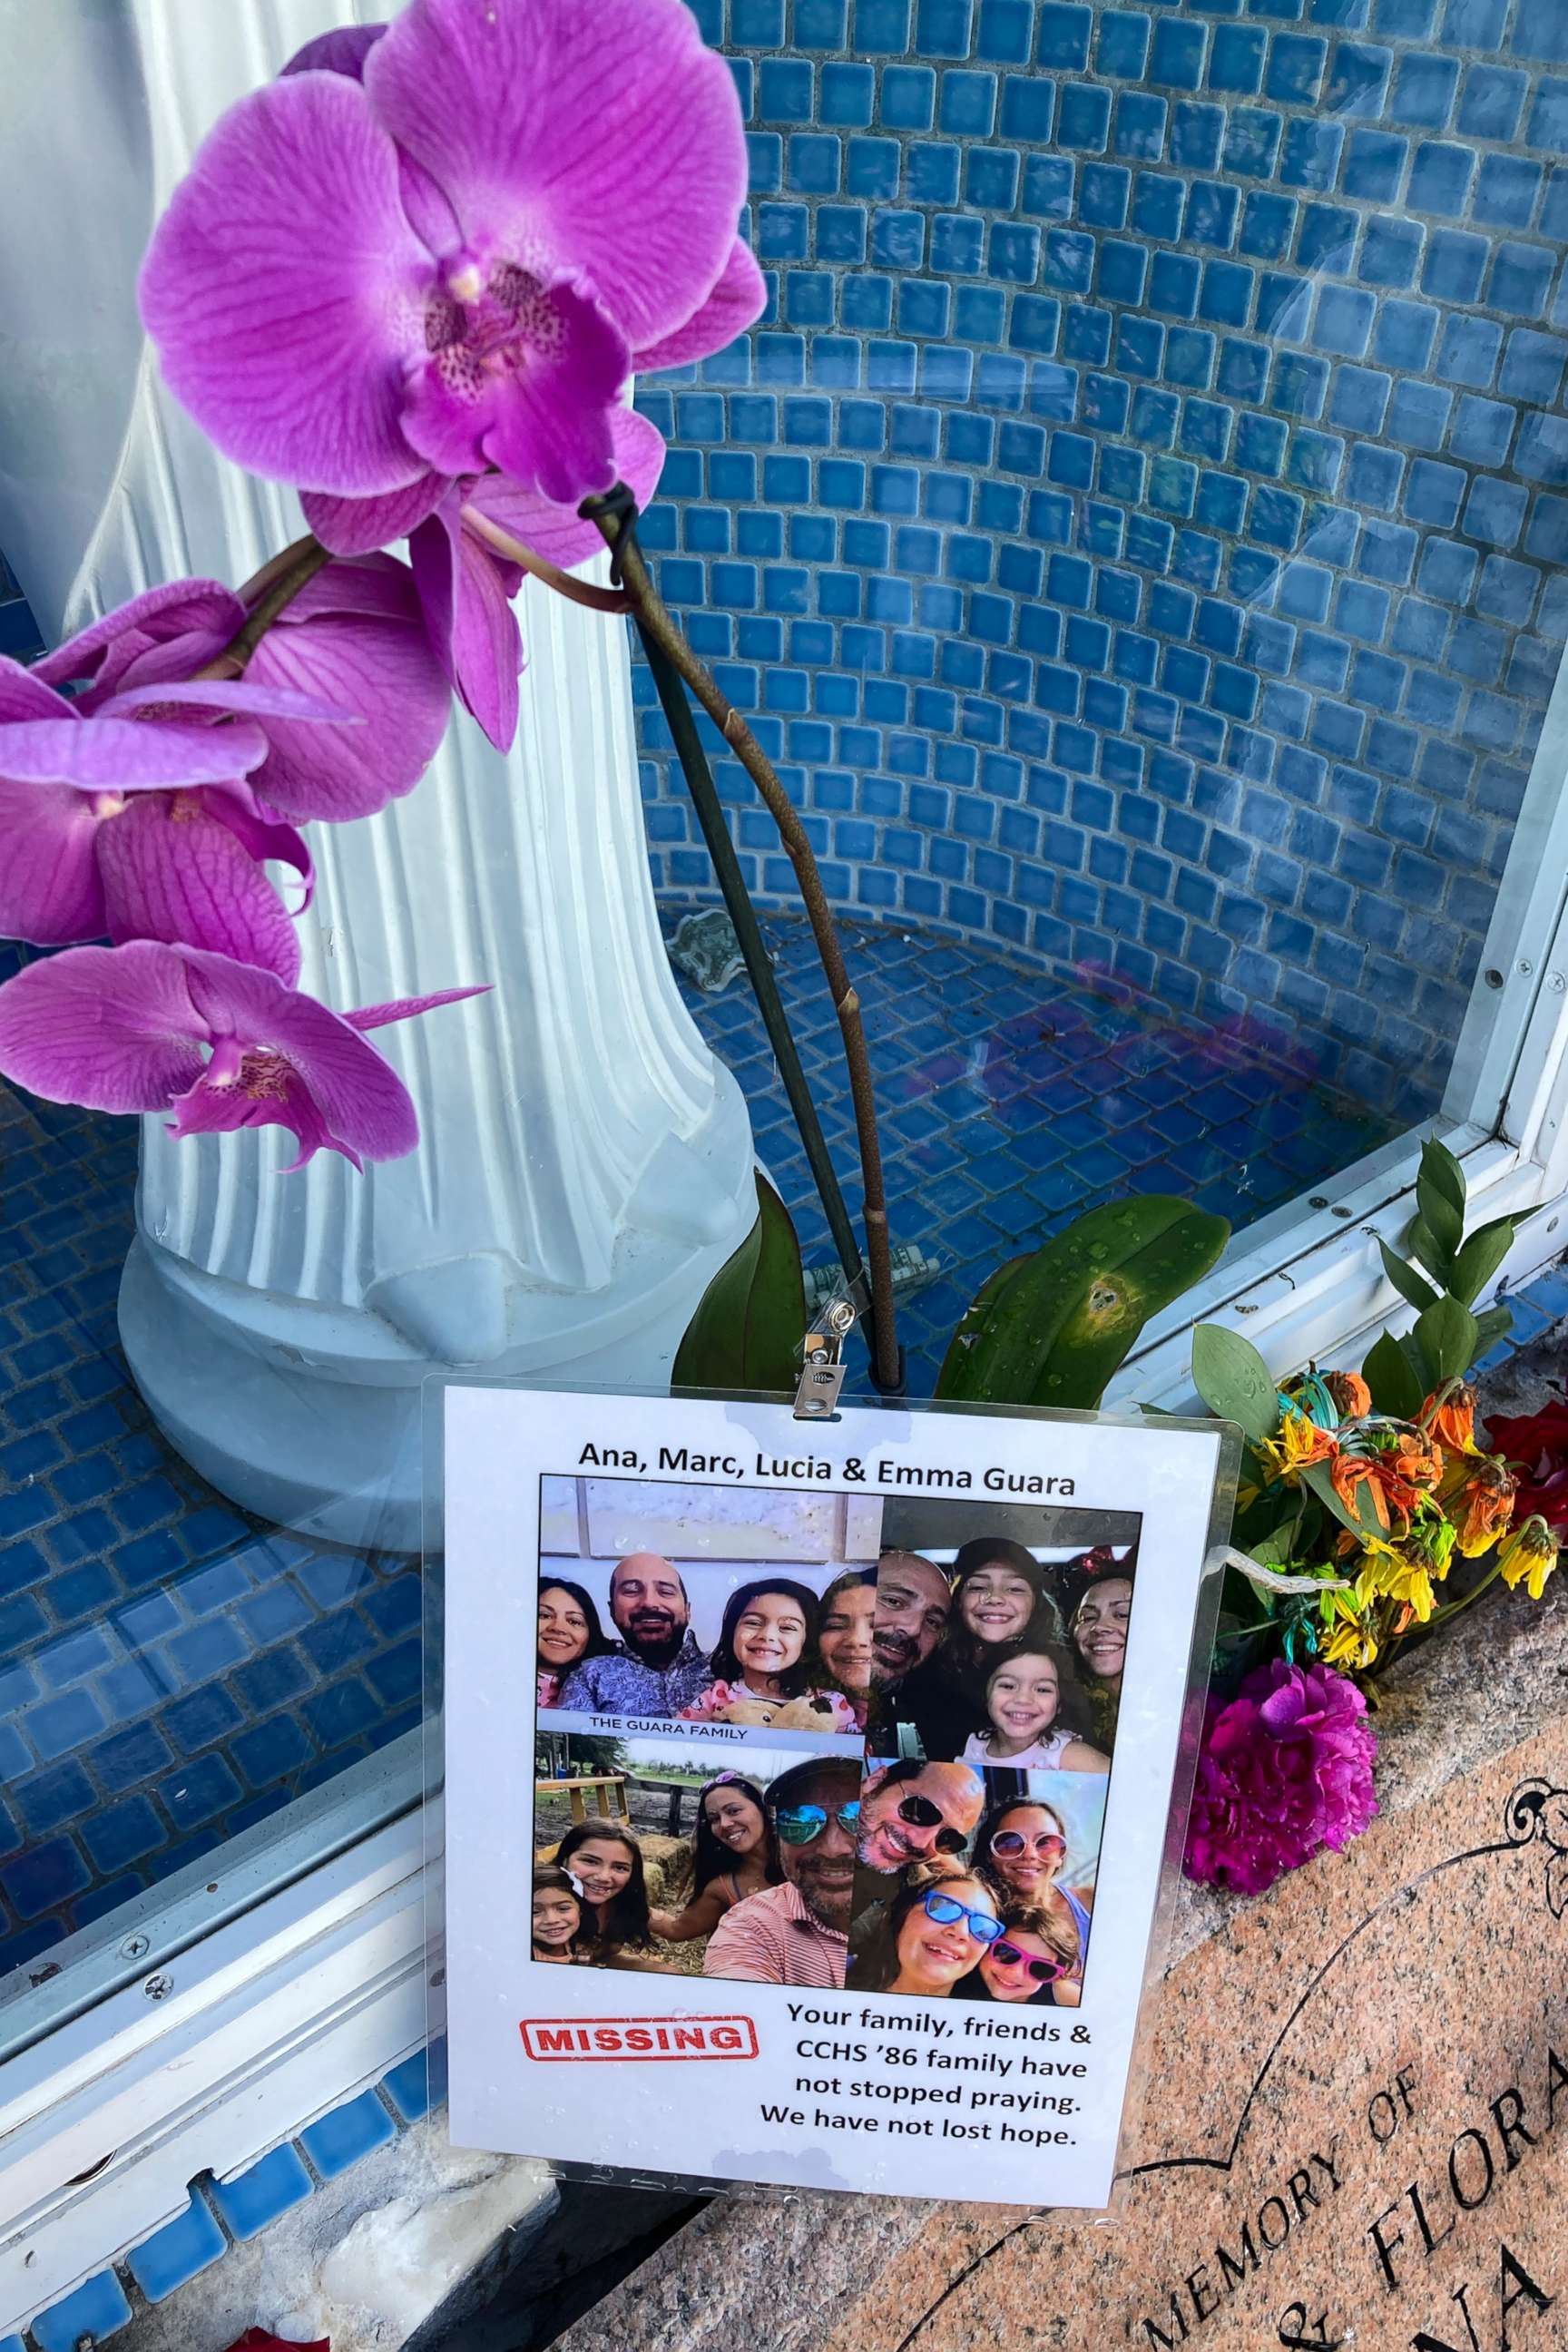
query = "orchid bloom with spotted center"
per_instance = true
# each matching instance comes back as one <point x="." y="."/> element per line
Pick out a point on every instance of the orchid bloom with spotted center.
<point x="441" y="248"/>
<point x="150" y="1027"/>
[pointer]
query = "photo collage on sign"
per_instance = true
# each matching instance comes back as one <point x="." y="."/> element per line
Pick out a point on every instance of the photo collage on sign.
<point x="797" y="1736"/>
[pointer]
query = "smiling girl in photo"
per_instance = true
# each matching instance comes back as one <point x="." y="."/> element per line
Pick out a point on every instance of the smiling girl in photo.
<point x="1023" y="1703"/>
<point x="557" y="1916"/>
<point x="760" y="1661"/>
<point x="735" y="1852"/>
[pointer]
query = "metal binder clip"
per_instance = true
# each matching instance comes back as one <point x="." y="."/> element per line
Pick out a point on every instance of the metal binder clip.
<point x="822" y="1374"/>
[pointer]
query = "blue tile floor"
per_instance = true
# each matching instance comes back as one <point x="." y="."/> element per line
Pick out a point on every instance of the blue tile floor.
<point x="172" y="1672"/>
<point x="1011" y="1100"/>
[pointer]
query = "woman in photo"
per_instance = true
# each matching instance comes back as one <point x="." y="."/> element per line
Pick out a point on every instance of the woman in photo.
<point x="1026" y="1700"/>
<point x="557" y="1915"/>
<point x="931" y="1937"/>
<point x="569" y="1631"/>
<point x="1037" y="1950"/>
<point x="1099" y="1623"/>
<point x="1020" y="1850"/>
<point x="1000" y="1603"/>
<point x="735" y="1852"/>
<point x="606" y="1863"/>
<point x="760" y="1663"/>
<point x="847" y="1610"/>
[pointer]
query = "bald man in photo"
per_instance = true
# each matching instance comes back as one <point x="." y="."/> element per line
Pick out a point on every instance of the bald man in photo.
<point x="656" y="1668"/>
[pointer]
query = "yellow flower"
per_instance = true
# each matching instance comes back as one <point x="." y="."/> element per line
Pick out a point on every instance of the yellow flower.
<point x="1350" y="1640"/>
<point x="1300" y="1443"/>
<point x="1528" y="1557"/>
<point x="1406" y="1581"/>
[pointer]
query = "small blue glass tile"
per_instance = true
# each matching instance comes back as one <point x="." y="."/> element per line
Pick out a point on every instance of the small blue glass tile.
<point x="341" y="2138"/>
<point x="408" y="2087"/>
<point x="96" y="2309"/>
<point x="177" y="2253"/>
<point x="258" y="2196"/>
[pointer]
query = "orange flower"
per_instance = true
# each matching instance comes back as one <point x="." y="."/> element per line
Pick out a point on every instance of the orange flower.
<point x="1484" y="1505"/>
<point x="1352" y="1471"/>
<point x="1412" y="1464"/>
<point x="1452" y="1422"/>
<point x="1350" y="1394"/>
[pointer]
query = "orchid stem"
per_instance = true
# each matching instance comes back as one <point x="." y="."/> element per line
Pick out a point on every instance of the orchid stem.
<point x="577" y="592"/>
<point x="286" y="573"/>
<point x="653" y="615"/>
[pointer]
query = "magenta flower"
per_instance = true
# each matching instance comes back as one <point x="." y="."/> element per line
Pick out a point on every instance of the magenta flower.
<point x="353" y="637"/>
<point x="465" y="586"/>
<point x="441" y="249"/>
<point x="133" y="817"/>
<point x="1284" y="1770"/>
<point x="150" y="1027"/>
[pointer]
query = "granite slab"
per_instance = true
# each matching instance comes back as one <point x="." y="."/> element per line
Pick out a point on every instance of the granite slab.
<point x="1356" y="2127"/>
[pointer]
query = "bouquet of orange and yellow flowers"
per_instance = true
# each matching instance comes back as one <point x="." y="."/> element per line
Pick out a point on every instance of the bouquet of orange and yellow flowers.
<point x="1361" y="1491"/>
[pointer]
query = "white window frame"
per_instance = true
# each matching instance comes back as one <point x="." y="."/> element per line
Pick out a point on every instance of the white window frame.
<point x="221" y="2012"/>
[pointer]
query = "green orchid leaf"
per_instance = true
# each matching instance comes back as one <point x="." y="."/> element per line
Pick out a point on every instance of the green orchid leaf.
<point x="1234" y="1382"/>
<point x="1056" y="1325"/>
<point x="1411" y="1285"/>
<point x="1478" y="1260"/>
<point x="751" y="1319"/>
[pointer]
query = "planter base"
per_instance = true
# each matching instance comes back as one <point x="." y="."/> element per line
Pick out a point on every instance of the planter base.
<point x="311" y="1415"/>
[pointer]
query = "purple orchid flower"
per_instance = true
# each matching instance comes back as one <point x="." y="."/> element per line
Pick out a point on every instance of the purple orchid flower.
<point x="135" y="817"/>
<point x="150" y="1027"/>
<point x="465" y="585"/>
<point x="441" y="249"/>
<point x="354" y="636"/>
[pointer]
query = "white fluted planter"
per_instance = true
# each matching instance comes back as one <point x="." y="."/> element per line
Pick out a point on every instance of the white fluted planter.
<point x="586" y="1164"/>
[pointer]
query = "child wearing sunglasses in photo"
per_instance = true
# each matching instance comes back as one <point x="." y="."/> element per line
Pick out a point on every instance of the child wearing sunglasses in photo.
<point x="930" y="1935"/>
<point x="1037" y="1951"/>
<point x="1020" y="1850"/>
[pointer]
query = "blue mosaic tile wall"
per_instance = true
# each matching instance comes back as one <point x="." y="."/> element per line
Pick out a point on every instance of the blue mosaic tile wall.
<point x="1139" y="518"/>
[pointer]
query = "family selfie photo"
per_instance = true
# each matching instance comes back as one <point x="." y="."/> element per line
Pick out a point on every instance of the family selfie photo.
<point x="822" y="1739"/>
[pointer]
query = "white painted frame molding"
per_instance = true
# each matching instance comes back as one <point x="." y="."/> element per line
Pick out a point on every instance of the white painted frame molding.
<point x="225" y="2010"/>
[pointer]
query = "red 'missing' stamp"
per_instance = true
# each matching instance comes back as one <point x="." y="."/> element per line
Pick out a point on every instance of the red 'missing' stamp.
<point x="640" y="2037"/>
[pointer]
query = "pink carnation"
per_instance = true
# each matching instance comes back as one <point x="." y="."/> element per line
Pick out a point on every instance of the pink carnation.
<point x="1285" y="1770"/>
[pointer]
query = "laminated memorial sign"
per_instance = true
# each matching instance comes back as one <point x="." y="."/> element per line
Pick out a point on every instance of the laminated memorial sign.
<point x="810" y="1788"/>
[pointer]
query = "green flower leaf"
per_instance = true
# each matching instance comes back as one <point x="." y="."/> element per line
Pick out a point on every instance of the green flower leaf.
<point x="1445" y="1337"/>
<point x="1234" y="1382"/>
<point x="1494" y="1323"/>
<point x="1420" y="1243"/>
<point x="1440" y="1196"/>
<point x="1360" y="1523"/>
<point x="1478" y="1260"/>
<point x="1411" y="1285"/>
<point x="1392" y="1379"/>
